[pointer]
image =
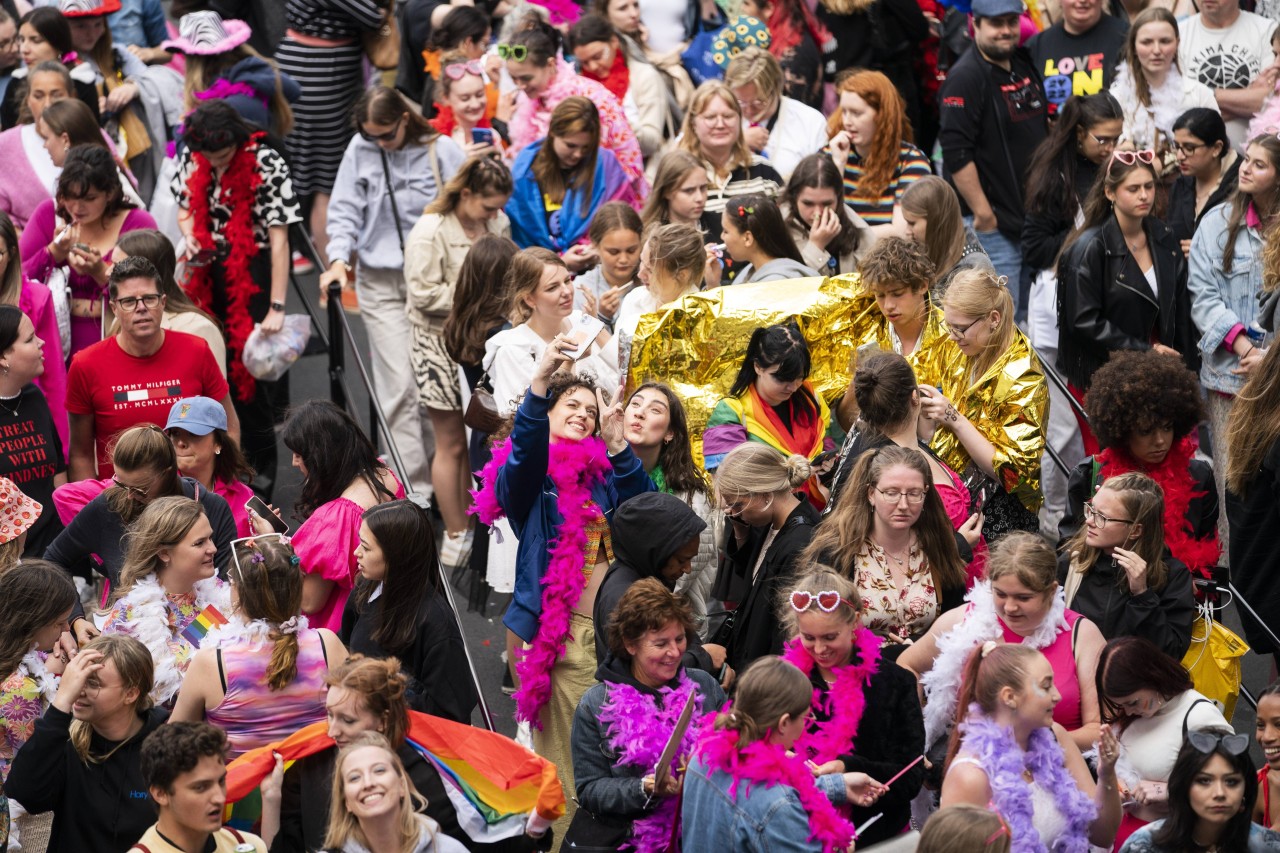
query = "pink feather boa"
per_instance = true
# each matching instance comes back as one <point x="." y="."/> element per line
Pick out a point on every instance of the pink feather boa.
<point x="764" y="764"/>
<point x="844" y="702"/>
<point x="637" y="732"/>
<point x="575" y="467"/>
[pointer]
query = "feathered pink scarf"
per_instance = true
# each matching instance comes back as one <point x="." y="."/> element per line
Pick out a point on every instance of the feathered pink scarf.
<point x="844" y="703"/>
<point x="575" y="467"/>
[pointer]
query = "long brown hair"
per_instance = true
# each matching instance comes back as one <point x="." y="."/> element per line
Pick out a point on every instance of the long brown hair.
<point x="892" y="128"/>
<point x="11" y="284"/>
<point x="932" y="199"/>
<point x="1240" y="200"/>
<point x="1254" y="424"/>
<point x="33" y="594"/>
<point x="480" y="298"/>
<point x="1149" y="15"/>
<point x="673" y="168"/>
<point x="573" y="115"/>
<point x="386" y="106"/>
<point x="202" y="71"/>
<point x="269" y="583"/>
<point x="1143" y="501"/>
<point x="675" y="458"/>
<point x="163" y="525"/>
<point x="141" y="448"/>
<point x="848" y="530"/>
<point x="1097" y="207"/>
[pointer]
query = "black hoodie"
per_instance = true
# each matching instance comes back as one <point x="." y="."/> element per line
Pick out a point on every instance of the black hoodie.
<point x="647" y="530"/>
<point x="101" y="807"/>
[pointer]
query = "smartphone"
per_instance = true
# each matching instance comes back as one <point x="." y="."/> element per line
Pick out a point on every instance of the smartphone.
<point x="259" y="506"/>
<point x="586" y="330"/>
<point x="979" y="500"/>
<point x="482" y="135"/>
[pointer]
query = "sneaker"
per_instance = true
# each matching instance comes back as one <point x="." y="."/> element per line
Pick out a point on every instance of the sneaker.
<point x="301" y="264"/>
<point x="454" y="548"/>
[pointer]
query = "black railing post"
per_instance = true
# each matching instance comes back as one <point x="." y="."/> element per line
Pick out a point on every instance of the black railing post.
<point x="337" y="350"/>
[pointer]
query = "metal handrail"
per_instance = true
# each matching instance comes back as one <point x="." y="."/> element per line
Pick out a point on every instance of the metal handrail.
<point x="340" y="336"/>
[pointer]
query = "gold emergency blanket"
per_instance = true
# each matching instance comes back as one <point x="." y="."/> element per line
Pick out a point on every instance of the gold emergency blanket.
<point x="696" y="345"/>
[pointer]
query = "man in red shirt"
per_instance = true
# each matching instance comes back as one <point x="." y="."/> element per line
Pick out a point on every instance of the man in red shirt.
<point x="136" y="376"/>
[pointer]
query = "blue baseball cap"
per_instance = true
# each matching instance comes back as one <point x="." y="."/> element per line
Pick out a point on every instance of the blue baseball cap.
<point x="996" y="8"/>
<point x="197" y="415"/>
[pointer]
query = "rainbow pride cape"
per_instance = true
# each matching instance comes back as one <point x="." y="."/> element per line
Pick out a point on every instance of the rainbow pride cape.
<point x="494" y="783"/>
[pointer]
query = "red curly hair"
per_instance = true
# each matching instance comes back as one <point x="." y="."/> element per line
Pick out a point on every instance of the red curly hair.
<point x="892" y="130"/>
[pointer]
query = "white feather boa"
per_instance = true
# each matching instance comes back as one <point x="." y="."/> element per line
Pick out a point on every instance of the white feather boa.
<point x="33" y="667"/>
<point x="148" y="607"/>
<point x="1143" y="126"/>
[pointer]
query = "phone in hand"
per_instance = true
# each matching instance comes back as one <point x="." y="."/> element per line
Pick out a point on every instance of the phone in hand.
<point x="584" y="331"/>
<point x="979" y="500"/>
<point x="259" y="506"/>
<point x="482" y="135"/>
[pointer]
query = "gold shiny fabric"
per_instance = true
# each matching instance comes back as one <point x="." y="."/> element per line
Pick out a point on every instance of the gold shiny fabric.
<point x="1009" y="405"/>
<point x="696" y="345"/>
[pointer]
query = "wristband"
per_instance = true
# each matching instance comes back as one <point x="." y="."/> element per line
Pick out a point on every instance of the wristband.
<point x="277" y="306"/>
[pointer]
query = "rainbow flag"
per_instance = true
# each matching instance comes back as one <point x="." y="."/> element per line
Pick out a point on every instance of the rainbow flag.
<point x="196" y="629"/>
<point x="493" y="783"/>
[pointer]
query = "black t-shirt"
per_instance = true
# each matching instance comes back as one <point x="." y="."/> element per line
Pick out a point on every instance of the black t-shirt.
<point x="1083" y="64"/>
<point x="993" y="118"/>
<point x="30" y="455"/>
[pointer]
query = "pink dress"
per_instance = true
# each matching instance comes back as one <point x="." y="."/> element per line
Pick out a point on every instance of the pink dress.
<point x="254" y="715"/>
<point x="1065" y="676"/>
<point x="37" y="303"/>
<point x="325" y="545"/>
<point x="956" y="501"/>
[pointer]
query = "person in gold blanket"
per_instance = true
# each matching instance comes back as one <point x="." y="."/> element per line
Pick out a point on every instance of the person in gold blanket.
<point x="989" y="418"/>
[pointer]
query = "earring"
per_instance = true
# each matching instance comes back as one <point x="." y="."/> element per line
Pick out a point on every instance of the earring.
<point x="1013" y="706"/>
<point x="217" y="453"/>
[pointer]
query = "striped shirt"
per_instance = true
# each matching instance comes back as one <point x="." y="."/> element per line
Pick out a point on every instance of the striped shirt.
<point x="759" y="177"/>
<point x="912" y="165"/>
<point x="334" y="19"/>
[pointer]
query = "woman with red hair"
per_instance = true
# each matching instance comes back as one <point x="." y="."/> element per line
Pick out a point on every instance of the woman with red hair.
<point x="871" y="142"/>
<point x="804" y="47"/>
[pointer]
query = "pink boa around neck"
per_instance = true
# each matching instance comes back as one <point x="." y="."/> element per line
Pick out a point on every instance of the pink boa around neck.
<point x="575" y="467"/>
<point x="845" y="700"/>
<point x="764" y="764"/>
<point x="638" y="728"/>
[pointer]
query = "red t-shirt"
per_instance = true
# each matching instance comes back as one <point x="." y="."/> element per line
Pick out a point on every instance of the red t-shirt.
<point x="121" y="390"/>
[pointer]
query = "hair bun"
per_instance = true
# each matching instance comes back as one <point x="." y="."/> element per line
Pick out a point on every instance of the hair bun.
<point x="798" y="469"/>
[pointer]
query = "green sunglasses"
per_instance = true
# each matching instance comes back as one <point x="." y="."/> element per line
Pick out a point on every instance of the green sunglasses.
<point x="514" y="52"/>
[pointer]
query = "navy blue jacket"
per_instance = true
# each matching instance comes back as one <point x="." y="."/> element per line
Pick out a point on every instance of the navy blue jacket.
<point x="528" y="497"/>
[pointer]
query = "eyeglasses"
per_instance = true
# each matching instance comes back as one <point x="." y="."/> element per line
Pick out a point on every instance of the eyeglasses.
<point x="1188" y="148"/>
<point x="514" y="52"/>
<point x="827" y="600"/>
<point x="719" y="121"/>
<point x="140" y="491"/>
<point x="130" y="303"/>
<point x="913" y="496"/>
<point x="458" y="70"/>
<point x="1092" y="515"/>
<point x="389" y="136"/>
<point x="739" y="506"/>
<point x="753" y="106"/>
<point x="1104" y="141"/>
<point x="93" y="686"/>
<point x="958" y="332"/>
<point x="1130" y="157"/>
<point x="1207" y="742"/>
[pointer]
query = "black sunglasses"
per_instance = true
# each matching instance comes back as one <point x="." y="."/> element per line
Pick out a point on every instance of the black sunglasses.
<point x="1207" y="742"/>
<point x="389" y="136"/>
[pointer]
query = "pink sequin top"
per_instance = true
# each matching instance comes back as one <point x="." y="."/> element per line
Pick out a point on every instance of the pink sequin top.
<point x="254" y="715"/>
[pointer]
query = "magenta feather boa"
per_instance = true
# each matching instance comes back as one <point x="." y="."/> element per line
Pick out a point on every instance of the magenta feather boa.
<point x="764" y="764"/>
<point x="638" y="729"/>
<point x="575" y="467"/>
<point x="844" y="702"/>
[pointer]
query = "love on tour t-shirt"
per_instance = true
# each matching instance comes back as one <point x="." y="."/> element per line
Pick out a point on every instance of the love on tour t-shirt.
<point x="120" y="390"/>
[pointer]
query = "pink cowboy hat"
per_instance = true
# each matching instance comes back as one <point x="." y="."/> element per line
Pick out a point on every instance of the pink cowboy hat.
<point x="87" y="8"/>
<point x="206" y="34"/>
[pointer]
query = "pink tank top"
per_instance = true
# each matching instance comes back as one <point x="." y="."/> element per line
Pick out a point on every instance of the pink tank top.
<point x="1063" y="660"/>
<point x="254" y="715"/>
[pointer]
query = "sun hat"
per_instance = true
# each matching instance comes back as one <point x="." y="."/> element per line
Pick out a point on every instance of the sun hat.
<point x="87" y="8"/>
<point x="197" y="415"/>
<point x="207" y="34"/>
<point x="17" y="511"/>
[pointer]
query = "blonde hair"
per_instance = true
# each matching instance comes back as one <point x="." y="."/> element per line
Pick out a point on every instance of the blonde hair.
<point x="344" y="826"/>
<point x="965" y="828"/>
<point x="820" y="578"/>
<point x="752" y="468"/>
<point x="757" y="66"/>
<point x="203" y="71"/>
<point x="702" y="98"/>
<point x="770" y="688"/>
<point x="1143" y="501"/>
<point x="163" y="524"/>
<point x="523" y="279"/>
<point x="1027" y="558"/>
<point x="976" y="293"/>
<point x="678" y="251"/>
<point x="137" y="672"/>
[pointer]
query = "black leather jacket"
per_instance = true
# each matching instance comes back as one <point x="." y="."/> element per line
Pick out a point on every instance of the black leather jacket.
<point x="1105" y="303"/>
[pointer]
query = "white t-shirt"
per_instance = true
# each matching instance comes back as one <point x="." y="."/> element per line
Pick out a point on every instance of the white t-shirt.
<point x="1226" y="59"/>
<point x="664" y="19"/>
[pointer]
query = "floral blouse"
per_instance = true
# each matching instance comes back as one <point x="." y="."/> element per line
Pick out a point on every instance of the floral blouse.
<point x="899" y="614"/>
<point x="182" y="612"/>
<point x="20" y="706"/>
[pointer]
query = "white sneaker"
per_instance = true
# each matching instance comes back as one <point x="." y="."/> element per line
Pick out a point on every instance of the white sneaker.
<point x="455" y="548"/>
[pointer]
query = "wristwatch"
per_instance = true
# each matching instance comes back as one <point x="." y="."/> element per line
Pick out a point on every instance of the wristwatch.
<point x="277" y="306"/>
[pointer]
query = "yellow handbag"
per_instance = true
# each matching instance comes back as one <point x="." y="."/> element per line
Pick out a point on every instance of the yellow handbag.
<point x="1213" y="660"/>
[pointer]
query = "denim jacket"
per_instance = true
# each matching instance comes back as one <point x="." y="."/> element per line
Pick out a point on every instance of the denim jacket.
<point x="768" y="819"/>
<point x="1221" y="300"/>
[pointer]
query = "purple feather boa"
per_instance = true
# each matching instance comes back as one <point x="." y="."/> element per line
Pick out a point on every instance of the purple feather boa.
<point x="1004" y="762"/>
<point x="637" y="732"/>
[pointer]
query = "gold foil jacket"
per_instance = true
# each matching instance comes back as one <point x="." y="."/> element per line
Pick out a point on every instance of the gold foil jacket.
<point x="696" y="345"/>
<point x="1009" y="405"/>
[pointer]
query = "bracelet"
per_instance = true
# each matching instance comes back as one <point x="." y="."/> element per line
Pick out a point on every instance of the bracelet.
<point x="1249" y="350"/>
<point x="277" y="306"/>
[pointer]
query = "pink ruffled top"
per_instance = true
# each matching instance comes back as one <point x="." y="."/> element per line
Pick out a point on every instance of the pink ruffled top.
<point x="956" y="501"/>
<point x="325" y="545"/>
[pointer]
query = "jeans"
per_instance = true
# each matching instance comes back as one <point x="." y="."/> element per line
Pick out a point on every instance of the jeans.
<point x="1006" y="257"/>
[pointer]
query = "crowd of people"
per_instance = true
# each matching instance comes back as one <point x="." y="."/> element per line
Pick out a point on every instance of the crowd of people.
<point x="954" y="599"/>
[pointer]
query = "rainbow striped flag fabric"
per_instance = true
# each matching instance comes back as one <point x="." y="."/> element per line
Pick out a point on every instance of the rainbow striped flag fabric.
<point x="207" y="619"/>
<point x="494" y="784"/>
